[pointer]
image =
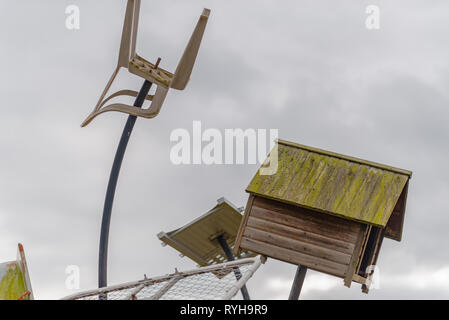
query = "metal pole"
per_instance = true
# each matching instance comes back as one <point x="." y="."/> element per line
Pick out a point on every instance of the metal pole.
<point x="297" y="283"/>
<point x="224" y="245"/>
<point x="106" y="221"/>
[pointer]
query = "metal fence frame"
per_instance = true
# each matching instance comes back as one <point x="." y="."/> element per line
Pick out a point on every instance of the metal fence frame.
<point x="173" y="278"/>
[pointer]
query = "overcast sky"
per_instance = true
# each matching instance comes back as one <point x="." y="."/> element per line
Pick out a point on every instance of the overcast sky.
<point x="308" y="68"/>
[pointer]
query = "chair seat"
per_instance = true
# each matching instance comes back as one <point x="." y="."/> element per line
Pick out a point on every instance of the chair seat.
<point x="145" y="69"/>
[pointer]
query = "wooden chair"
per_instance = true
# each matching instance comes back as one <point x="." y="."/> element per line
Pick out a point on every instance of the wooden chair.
<point x="139" y="66"/>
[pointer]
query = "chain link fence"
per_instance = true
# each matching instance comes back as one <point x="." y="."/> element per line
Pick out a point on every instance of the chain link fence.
<point x="221" y="281"/>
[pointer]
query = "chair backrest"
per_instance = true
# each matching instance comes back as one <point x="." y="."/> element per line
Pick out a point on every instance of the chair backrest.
<point x="129" y="33"/>
<point x="185" y="65"/>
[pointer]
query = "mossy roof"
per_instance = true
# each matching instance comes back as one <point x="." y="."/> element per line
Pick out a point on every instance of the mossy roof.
<point x="196" y="239"/>
<point x="332" y="183"/>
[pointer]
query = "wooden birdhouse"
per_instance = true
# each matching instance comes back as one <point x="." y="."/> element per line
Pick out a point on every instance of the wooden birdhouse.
<point x="325" y="211"/>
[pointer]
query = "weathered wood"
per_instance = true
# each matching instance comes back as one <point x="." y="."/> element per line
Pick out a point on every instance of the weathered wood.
<point x="373" y="260"/>
<point x="334" y="185"/>
<point x="238" y="238"/>
<point x="345" y="157"/>
<point x="370" y="252"/>
<point x="318" y="241"/>
<point x="393" y="229"/>
<point x="296" y="245"/>
<point x="302" y="221"/>
<point x="359" y="279"/>
<point x="379" y="242"/>
<point x="301" y="235"/>
<point x="362" y="252"/>
<point x="355" y="255"/>
<point x="325" y="220"/>
<point x="321" y="207"/>
<point x="294" y="257"/>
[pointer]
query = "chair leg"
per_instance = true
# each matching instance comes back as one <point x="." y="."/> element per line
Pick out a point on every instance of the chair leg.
<point x="106" y="89"/>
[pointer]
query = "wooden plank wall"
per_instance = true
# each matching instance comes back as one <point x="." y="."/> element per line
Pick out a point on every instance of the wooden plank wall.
<point x="393" y="229"/>
<point x="292" y="234"/>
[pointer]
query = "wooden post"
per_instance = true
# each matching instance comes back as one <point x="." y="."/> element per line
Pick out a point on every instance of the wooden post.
<point x="297" y="283"/>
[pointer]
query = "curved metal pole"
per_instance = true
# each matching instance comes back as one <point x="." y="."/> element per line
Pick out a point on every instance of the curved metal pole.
<point x="228" y="252"/>
<point x="106" y="221"/>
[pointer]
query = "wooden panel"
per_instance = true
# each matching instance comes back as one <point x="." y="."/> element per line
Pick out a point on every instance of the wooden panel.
<point x="238" y="238"/>
<point x="393" y="229"/>
<point x="301" y="235"/>
<point x="359" y="279"/>
<point x="294" y="257"/>
<point x="196" y="239"/>
<point x="370" y="251"/>
<point x="378" y="246"/>
<point x="364" y="245"/>
<point x="322" y="218"/>
<point x="322" y="224"/>
<point x="363" y="233"/>
<point x="374" y="257"/>
<point x="296" y="245"/>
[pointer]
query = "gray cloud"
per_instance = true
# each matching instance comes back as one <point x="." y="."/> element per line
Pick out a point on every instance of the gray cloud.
<point x="309" y="68"/>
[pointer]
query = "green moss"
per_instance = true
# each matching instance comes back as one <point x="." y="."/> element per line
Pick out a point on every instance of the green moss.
<point x="321" y="181"/>
<point x="12" y="284"/>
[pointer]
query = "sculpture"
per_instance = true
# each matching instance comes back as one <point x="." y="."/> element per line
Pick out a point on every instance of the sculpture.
<point x="152" y="74"/>
<point x="129" y="59"/>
